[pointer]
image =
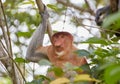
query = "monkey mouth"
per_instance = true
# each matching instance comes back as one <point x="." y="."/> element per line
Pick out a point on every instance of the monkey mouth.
<point x="59" y="49"/>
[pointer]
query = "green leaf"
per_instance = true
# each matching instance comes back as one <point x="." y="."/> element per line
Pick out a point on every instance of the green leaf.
<point x="115" y="51"/>
<point x="5" y="80"/>
<point x="38" y="81"/>
<point x="20" y="60"/>
<point x="44" y="77"/>
<point x="95" y="40"/>
<point x="112" y="74"/>
<point x="101" y="52"/>
<point x="86" y="68"/>
<point x="107" y="52"/>
<point x="82" y="52"/>
<point x="84" y="77"/>
<point x="112" y="21"/>
<point x="57" y="70"/>
<point x="54" y="7"/>
<point x="23" y="34"/>
<point x="62" y="80"/>
<point x="69" y="66"/>
<point x="44" y="62"/>
<point x="27" y="2"/>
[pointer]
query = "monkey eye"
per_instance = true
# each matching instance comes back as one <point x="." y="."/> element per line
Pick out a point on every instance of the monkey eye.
<point x="56" y="36"/>
<point x="54" y="40"/>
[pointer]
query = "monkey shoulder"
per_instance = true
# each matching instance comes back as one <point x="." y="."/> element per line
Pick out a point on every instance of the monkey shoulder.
<point x="43" y="49"/>
<point x="51" y="53"/>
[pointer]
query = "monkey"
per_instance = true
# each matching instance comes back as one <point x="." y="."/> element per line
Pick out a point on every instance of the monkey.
<point x="61" y="50"/>
<point x="113" y="7"/>
<point x="103" y="12"/>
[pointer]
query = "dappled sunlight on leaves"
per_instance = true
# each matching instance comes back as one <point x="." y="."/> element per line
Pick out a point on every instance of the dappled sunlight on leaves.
<point x="84" y="77"/>
<point x="62" y="80"/>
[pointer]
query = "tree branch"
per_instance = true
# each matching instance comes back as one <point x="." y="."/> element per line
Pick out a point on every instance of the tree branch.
<point x="6" y="54"/>
<point x="65" y="3"/>
<point x="89" y="7"/>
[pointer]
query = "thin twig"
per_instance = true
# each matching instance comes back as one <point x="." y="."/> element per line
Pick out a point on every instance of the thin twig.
<point x="13" y="61"/>
<point x="74" y="6"/>
<point x="9" y="46"/>
<point x="8" y="33"/>
<point x="91" y="11"/>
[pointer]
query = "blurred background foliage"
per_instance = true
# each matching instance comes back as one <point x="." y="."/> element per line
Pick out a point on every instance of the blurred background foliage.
<point x="103" y="47"/>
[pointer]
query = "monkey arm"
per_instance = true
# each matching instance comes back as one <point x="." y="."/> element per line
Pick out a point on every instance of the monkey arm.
<point x="113" y="7"/>
<point x="39" y="53"/>
<point x="37" y="40"/>
<point x="102" y="11"/>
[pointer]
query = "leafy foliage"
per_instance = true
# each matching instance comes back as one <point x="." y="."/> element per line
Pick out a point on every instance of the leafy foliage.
<point x="82" y="52"/>
<point x="36" y="81"/>
<point x="112" y="22"/>
<point x="85" y="77"/>
<point x="44" y="62"/>
<point x="57" y="70"/>
<point x="95" y="40"/>
<point x="20" y="60"/>
<point x="112" y="74"/>
<point x="60" y="81"/>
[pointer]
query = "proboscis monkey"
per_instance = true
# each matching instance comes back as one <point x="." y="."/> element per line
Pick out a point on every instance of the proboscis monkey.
<point x="61" y="51"/>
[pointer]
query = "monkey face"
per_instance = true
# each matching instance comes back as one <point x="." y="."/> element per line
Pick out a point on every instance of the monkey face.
<point x="58" y="42"/>
<point x="61" y="42"/>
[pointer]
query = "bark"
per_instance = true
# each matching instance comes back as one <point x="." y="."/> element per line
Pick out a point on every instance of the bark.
<point x="6" y="56"/>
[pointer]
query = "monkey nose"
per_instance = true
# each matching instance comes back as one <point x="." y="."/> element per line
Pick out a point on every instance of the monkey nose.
<point x="57" y="44"/>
